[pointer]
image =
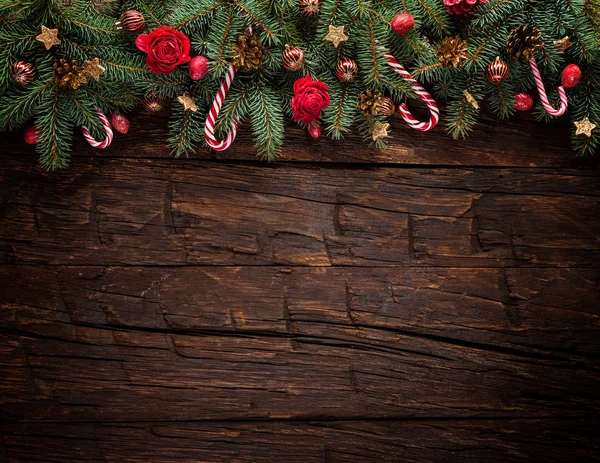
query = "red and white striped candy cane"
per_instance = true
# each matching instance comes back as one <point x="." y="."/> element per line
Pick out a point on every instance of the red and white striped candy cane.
<point x="107" y="128"/>
<point x="423" y="95"/>
<point x="562" y="95"/>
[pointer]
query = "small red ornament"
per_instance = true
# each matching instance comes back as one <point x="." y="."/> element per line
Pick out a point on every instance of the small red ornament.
<point x="570" y="76"/>
<point x="314" y="129"/>
<point x="119" y="121"/>
<point x="198" y="67"/>
<point x="403" y="23"/>
<point x="387" y="107"/>
<point x="293" y="58"/>
<point x="131" y="21"/>
<point x="497" y="71"/>
<point x="31" y="135"/>
<point x="461" y="8"/>
<point x="523" y="101"/>
<point x="346" y="70"/>
<point x="23" y="73"/>
<point x="152" y="102"/>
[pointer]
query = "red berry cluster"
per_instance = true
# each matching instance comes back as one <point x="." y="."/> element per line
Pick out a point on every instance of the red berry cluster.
<point x="461" y="8"/>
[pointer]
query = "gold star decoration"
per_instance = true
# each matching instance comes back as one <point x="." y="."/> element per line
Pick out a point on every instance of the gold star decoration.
<point x="380" y="130"/>
<point x="471" y="99"/>
<point x="49" y="37"/>
<point x="563" y="43"/>
<point x="93" y="68"/>
<point x="187" y="102"/>
<point x="336" y="35"/>
<point x="585" y="127"/>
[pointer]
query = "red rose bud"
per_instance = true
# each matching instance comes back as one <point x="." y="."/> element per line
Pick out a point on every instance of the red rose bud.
<point x="570" y="76"/>
<point x="198" y="67"/>
<point x="314" y="129"/>
<point x="523" y="101"/>
<point x="310" y="97"/>
<point x="120" y="122"/>
<point x="403" y="23"/>
<point x="166" y="49"/>
<point x="31" y="135"/>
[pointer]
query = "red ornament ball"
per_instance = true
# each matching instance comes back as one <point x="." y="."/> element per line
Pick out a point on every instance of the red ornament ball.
<point x="198" y="67"/>
<point x="403" y="23"/>
<point x="119" y="121"/>
<point x="22" y="72"/>
<point x="131" y="21"/>
<point x="387" y="107"/>
<point x="461" y="8"/>
<point x="497" y="71"/>
<point x="523" y="101"/>
<point x="346" y="70"/>
<point x="292" y="58"/>
<point x="31" y="135"/>
<point x="571" y="76"/>
<point x="314" y="129"/>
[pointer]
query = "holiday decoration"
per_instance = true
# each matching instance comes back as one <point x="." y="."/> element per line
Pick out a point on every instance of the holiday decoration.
<point x="336" y="35"/>
<point x="93" y="69"/>
<point x="49" y="37"/>
<point x="31" y="135"/>
<point x="461" y="8"/>
<point x="570" y="76"/>
<point x="403" y="23"/>
<point x="452" y="52"/>
<point x="153" y="103"/>
<point x="471" y="99"/>
<point x="23" y="73"/>
<point x="314" y="129"/>
<point x="380" y="131"/>
<point x="107" y="129"/>
<point x="166" y="49"/>
<point x="346" y="70"/>
<point x="563" y="44"/>
<point x="387" y="107"/>
<point x="370" y="102"/>
<point x="198" y="67"/>
<point x="310" y="7"/>
<point x="131" y="21"/>
<point x="523" y="101"/>
<point x="69" y="74"/>
<point x="248" y="52"/>
<point x="584" y="127"/>
<point x="119" y="122"/>
<point x="293" y="58"/>
<point x="310" y="98"/>
<point x="497" y="71"/>
<point x="188" y="102"/>
<point x="523" y="41"/>
<point x="542" y="91"/>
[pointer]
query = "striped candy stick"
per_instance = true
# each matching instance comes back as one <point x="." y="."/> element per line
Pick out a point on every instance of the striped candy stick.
<point x="562" y="95"/>
<point x="107" y="128"/>
<point x="423" y="95"/>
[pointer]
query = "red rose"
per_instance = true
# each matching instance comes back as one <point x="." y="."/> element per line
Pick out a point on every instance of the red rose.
<point x="310" y="97"/>
<point x="166" y="48"/>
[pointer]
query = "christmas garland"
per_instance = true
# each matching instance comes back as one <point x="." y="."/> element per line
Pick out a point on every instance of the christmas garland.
<point x="331" y="65"/>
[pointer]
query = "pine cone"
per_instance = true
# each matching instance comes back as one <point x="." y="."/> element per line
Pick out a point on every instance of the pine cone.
<point x="370" y="102"/>
<point x="523" y="41"/>
<point x="452" y="52"/>
<point x="248" y="52"/>
<point x="68" y="74"/>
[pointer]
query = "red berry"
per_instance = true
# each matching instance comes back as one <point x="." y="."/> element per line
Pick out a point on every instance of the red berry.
<point x="31" y="135"/>
<point x="523" y="101"/>
<point x="120" y="122"/>
<point x="314" y="129"/>
<point x="570" y="76"/>
<point x="403" y="23"/>
<point x="198" y="67"/>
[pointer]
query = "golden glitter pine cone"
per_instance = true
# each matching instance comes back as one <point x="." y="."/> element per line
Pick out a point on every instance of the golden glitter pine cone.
<point x="248" y="52"/>
<point x="523" y="41"/>
<point x="68" y="73"/>
<point x="370" y="101"/>
<point x="452" y="52"/>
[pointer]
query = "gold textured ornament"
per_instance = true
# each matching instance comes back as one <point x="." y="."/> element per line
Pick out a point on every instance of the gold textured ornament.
<point x="497" y="71"/>
<point x="380" y="130"/>
<point x="292" y="58"/>
<point x="452" y="52"/>
<point x="470" y="99"/>
<point x="93" y="68"/>
<point x="585" y="127"/>
<point x="49" y="37"/>
<point x="310" y="7"/>
<point x="387" y="107"/>
<point x="336" y="35"/>
<point x="563" y="44"/>
<point x="248" y="52"/>
<point x="68" y="73"/>
<point x="188" y="102"/>
<point x="346" y="70"/>
<point x="523" y="41"/>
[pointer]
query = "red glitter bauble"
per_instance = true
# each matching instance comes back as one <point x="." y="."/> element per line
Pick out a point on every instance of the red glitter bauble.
<point x="31" y="135"/>
<point x="198" y="67"/>
<point x="403" y="23"/>
<point x="570" y="76"/>
<point x="523" y="101"/>
<point x="314" y="129"/>
<point x="346" y="70"/>
<point x="119" y="121"/>
<point x="497" y="71"/>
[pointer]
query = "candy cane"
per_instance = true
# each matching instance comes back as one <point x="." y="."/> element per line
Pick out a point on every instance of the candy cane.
<point x="107" y="128"/>
<point x="423" y="95"/>
<point x="562" y="95"/>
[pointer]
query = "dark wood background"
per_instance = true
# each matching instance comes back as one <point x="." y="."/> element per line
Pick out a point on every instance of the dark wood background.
<point x="437" y="301"/>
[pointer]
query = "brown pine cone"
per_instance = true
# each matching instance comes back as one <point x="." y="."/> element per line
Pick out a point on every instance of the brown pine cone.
<point x="452" y="52"/>
<point x="69" y="74"/>
<point x="248" y="52"/>
<point x="523" y="41"/>
<point x="370" y="101"/>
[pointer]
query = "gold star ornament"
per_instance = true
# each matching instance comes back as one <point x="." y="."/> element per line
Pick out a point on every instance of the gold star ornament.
<point x="563" y="43"/>
<point x="471" y="99"/>
<point x="585" y="127"/>
<point x="49" y="37"/>
<point x="336" y="35"/>
<point x="380" y="130"/>
<point x="93" y="68"/>
<point x="188" y="102"/>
